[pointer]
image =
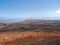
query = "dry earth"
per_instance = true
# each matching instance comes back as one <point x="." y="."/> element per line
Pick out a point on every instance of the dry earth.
<point x="30" y="38"/>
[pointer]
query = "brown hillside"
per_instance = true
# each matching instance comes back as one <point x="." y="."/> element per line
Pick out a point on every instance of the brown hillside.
<point x="28" y="38"/>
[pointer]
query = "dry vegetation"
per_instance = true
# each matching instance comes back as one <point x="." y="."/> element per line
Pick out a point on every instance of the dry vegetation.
<point x="30" y="33"/>
<point x="49" y="26"/>
<point x="27" y="38"/>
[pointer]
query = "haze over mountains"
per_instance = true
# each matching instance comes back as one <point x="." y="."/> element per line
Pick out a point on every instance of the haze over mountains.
<point x="10" y="20"/>
<point x="15" y="20"/>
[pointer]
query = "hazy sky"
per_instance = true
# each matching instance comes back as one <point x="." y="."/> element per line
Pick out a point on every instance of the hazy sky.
<point x="35" y="9"/>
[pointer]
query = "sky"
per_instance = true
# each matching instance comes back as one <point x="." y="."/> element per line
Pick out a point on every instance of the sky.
<point x="30" y="9"/>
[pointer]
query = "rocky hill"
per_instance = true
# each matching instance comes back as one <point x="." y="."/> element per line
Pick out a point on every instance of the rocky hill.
<point x="29" y="25"/>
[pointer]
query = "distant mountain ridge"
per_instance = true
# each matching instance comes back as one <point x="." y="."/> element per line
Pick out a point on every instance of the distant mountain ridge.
<point x="10" y="20"/>
<point x="15" y="20"/>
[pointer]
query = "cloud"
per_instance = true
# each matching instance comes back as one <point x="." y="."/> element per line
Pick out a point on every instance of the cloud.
<point x="58" y="11"/>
